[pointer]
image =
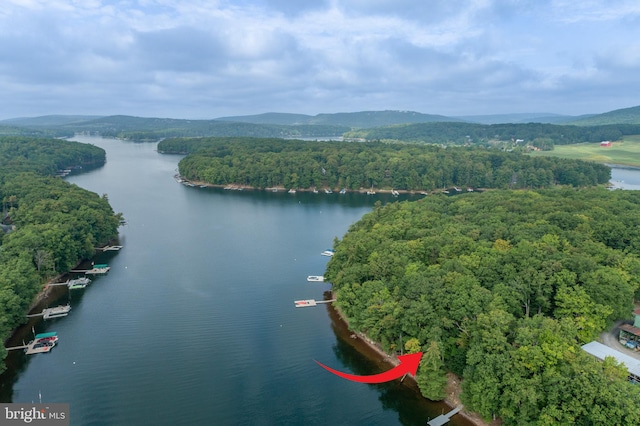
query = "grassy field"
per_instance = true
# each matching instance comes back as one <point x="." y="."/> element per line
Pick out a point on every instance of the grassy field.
<point x="626" y="152"/>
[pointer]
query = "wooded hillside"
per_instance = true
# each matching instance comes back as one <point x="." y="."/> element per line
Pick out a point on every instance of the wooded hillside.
<point x="502" y="288"/>
<point x="51" y="224"/>
<point x="264" y="163"/>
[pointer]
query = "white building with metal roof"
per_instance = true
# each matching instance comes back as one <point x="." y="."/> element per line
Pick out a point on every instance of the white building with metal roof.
<point x="601" y="351"/>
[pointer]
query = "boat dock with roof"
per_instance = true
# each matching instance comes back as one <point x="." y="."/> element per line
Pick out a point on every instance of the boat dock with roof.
<point x="97" y="269"/>
<point x="41" y="343"/>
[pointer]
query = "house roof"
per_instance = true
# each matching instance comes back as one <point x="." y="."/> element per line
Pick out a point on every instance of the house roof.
<point x="601" y="351"/>
<point x="636" y="311"/>
<point x="630" y="329"/>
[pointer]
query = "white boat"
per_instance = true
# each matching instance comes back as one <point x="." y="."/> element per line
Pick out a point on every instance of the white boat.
<point x="394" y="193"/>
<point x="328" y="191"/>
<point x="315" y="278"/>
<point x="328" y="252"/>
<point x="292" y="191"/>
<point x="343" y="191"/>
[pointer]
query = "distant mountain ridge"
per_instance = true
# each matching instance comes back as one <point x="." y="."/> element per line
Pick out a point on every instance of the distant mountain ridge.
<point x="539" y="117"/>
<point x="362" y="119"/>
<point x="619" y="116"/>
<point x="276" y="124"/>
<point x="48" y="120"/>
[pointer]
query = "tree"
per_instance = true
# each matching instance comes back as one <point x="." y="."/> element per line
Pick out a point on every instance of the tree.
<point x="431" y="376"/>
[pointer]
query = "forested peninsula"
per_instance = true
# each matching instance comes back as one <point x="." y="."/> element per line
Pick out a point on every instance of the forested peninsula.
<point x="482" y="134"/>
<point x="48" y="225"/>
<point x="265" y="163"/>
<point x="501" y="288"/>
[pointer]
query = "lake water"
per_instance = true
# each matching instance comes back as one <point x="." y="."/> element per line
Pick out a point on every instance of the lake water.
<point x="625" y="177"/>
<point x="195" y="322"/>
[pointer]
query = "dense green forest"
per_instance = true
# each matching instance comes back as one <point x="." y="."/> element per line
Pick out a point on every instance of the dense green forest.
<point x="12" y="130"/>
<point x="49" y="225"/>
<point x="264" y="163"/>
<point x="502" y="288"/>
<point x="46" y="156"/>
<point x="482" y="134"/>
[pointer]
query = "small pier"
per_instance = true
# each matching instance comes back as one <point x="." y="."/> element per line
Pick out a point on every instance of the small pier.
<point x="307" y="303"/>
<point x="13" y="348"/>
<point x="444" y="418"/>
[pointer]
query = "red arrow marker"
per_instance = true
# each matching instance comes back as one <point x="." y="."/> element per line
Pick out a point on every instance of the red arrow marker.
<point x="408" y="364"/>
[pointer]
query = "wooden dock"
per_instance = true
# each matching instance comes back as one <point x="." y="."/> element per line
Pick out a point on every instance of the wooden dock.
<point x="307" y="303"/>
<point x="444" y="418"/>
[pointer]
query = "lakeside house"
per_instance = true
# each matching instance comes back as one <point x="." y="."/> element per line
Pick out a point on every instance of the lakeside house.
<point x="606" y="144"/>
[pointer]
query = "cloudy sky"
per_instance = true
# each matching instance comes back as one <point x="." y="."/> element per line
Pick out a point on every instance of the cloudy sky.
<point x="212" y="58"/>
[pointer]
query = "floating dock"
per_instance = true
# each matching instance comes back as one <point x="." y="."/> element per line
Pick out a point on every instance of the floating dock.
<point x="110" y="248"/>
<point x="315" y="278"/>
<point x="57" y="312"/>
<point x="98" y="269"/>
<point x="42" y="343"/>
<point x="307" y="303"/>
<point x="77" y="283"/>
<point x="444" y="418"/>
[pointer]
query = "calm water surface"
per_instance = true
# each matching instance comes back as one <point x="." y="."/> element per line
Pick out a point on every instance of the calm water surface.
<point x="195" y="322"/>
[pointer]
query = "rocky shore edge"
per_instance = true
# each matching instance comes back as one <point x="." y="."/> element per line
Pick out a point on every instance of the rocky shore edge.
<point x="373" y="351"/>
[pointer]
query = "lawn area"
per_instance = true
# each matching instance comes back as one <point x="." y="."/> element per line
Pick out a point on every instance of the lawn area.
<point x="626" y="152"/>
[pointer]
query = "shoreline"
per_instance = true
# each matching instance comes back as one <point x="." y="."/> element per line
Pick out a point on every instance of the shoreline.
<point x="47" y="295"/>
<point x="374" y="352"/>
<point x="238" y="187"/>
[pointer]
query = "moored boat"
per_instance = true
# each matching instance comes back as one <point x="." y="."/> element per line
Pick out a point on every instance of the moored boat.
<point x="328" y="252"/>
<point x="315" y="278"/>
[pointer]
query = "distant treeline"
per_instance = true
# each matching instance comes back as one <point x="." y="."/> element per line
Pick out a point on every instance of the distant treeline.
<point x="501" y="288"/>
<point x="35" y="132"/>
<point x="264" y="163"/>
<point x="139" y="129"/>
<point x="465" y="133"/>
<point x="49" y="225"/>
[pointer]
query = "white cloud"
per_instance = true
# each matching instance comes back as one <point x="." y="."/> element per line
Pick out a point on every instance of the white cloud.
<point x="223" y="57"/>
